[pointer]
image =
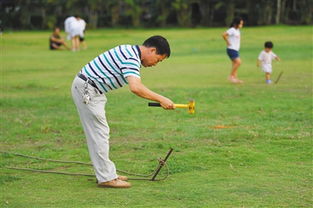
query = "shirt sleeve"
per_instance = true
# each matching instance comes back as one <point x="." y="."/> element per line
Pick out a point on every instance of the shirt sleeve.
<point x="130" y="68"/>
<point x="273" y="55"/>
<point x="230" y="31"/>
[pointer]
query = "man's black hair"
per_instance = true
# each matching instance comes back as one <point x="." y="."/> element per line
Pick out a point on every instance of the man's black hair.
<point x="236" y="21"/>
<point x="268" y="44"/>
<point x="160" y="43"/>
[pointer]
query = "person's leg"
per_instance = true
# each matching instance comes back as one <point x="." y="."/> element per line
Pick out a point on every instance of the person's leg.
<point x="268" y="77"/>
<point x="92" y="116"/>
<point x="73" y="44"/>
<point x="234" y="71"/>
<point x="82" y="42"/>
<point x="65" y="45"/>
<point x="77" y="42"/>
<point x="54" y="46"/>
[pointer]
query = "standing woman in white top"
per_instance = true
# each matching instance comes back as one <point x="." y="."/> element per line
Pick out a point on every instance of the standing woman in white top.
<point x="73" y="28"/>
<point x="232" y="38"/>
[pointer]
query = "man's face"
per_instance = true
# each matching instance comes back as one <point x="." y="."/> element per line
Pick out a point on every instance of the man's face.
<point x="152" y="58"/>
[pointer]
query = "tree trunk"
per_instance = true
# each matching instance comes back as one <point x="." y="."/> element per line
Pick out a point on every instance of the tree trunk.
<point x="43" y="16"/>
<point x="230" y="12"/>
<point x="305" y="14"/>
<point x="25" y="14"/>
<point x="115" y="15"/>
<point x="294" y="5"/>
<point x="268" y="12"/>
<point x="165" y="11"/>
<point x="183" y="12"/>
<point x="136" y="17"/>
<point x="211" y="17"/>
<point x="277" y="19"/>
<point x="93" y="19"/>
<point x="205" y="13"/>
<point x="134" y="10"/>
<point x="284" y="13"/>
<point x="252" y="13"/>
<point x="184" y="17"/>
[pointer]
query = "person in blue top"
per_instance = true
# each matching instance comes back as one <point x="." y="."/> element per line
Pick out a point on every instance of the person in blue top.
<point x="109" y="71"/>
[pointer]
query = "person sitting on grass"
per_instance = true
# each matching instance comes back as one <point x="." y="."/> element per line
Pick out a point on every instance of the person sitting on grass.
<point x="55" y="40"/>
<point x="109" y="71"/>
<point x="265" y="60"/>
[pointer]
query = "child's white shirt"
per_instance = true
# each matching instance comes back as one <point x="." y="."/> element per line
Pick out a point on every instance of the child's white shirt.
<point x="233" y="38"/>
<point x="266" y="60"/>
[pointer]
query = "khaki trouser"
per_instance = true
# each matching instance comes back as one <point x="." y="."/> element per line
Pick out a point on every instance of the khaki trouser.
<point x="96" y="128"/>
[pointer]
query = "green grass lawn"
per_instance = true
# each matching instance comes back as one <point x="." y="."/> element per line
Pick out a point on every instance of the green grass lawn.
<point x="263" y="160"/>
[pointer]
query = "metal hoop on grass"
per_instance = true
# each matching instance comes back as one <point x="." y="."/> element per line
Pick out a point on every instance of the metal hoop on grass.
<point x="153" y="174"/>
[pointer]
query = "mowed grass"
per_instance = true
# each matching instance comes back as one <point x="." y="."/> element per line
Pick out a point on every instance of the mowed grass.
<point x="263" y="160"/>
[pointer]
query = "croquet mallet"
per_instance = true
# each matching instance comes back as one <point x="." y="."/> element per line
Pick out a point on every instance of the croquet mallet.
<point x="190" y="106"/>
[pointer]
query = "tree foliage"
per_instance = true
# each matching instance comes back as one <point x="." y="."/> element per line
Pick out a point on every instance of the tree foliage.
<point x="43" y="14"/>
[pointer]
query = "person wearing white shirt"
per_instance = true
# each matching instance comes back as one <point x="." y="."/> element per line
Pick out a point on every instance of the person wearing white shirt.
<point x="109" y="71"/>
<point x="265" y="60"/>
<point x="232" y="39"/>
<point x="74" y="30"/>
<point x="67" y="24"/>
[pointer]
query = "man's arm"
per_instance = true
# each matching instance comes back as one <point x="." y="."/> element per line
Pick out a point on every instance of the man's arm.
<point x="139" y="89"/>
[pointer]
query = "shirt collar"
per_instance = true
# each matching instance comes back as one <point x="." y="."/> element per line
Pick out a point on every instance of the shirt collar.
<point x="139" y="52"/>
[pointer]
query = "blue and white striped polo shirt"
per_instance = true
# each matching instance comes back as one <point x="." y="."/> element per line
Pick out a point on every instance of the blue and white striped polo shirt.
<point x="110" y="69"/>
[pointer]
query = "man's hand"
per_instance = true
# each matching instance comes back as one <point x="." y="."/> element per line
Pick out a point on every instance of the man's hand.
<point x="139" y="89"/>
<point x="167" y="104"/>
